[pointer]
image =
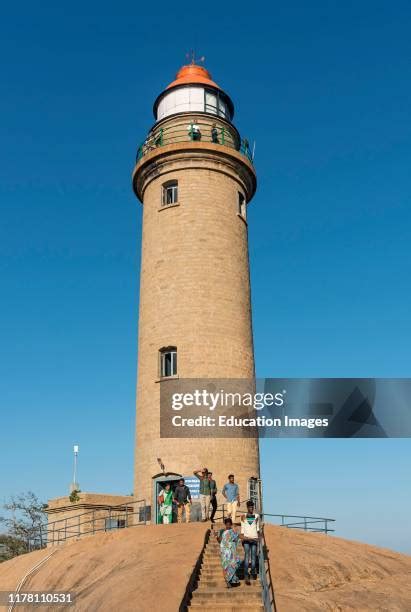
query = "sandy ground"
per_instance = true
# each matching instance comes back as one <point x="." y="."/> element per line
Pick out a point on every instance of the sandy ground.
<point x="139" y="569"/>
<point x="146" y="569"/>
<point x="313" y="572"/>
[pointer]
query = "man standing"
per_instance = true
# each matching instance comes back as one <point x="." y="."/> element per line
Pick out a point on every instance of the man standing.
<point x="231" y="492"/>
<point x="194" y="131"/>
<point x="250" y="533"/>
<point x="182" y="498"/>
<point x="213" y="496"/>
<point x="214" y="133"/>
<point x="202" y="475"/>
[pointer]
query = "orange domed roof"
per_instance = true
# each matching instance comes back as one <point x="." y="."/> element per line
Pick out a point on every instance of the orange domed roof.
<point x="192" y="73"/>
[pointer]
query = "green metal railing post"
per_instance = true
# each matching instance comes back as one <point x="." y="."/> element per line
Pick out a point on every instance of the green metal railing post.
<point x="178" y="133"/>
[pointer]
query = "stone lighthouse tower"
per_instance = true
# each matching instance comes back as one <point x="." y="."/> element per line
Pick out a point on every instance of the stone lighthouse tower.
<point x="194" y="177"/>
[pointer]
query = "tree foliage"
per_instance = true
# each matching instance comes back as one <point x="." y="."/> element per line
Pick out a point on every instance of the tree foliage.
<point x="25" y="514"/>
<point x="74" y="496"/>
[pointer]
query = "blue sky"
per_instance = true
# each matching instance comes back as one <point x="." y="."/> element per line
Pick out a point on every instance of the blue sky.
<point x="324" y="91"/>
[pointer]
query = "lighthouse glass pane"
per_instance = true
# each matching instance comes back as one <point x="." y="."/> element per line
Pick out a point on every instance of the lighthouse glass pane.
<point x="161" y="109"/>
<point x="210" y="103"/>
<point x="182" y="100"/>
<point x="222" y="109"/>
<point x="170" y="103"/>
<point x="196" y="99"/>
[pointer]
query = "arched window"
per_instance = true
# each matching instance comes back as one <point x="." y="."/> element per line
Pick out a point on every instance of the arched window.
<point x="168" y="361"/>
<point x="169" y="193"/>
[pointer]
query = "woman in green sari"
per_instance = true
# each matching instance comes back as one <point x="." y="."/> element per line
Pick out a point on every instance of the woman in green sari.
<point x="165" y="500"/>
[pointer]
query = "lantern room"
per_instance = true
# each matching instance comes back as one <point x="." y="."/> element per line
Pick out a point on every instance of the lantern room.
<point x="193" y="90"/>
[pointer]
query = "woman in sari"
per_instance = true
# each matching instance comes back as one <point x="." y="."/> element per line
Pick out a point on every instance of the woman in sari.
<point x="230" y="559"/>
<point x="165" y="500"/>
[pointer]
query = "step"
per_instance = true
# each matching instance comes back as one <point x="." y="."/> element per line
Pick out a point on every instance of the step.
<point x="207" y="570"/>
<point x="213" y="583"/>
<point x="211" y="550"/>
<point x="214" y="559"/>
<point x="212" y="572"/>
<point x="216" y="548"/>
<point x="227" y="607"/>
<point x="218" y="574"/>
<point x="247" y="594"/>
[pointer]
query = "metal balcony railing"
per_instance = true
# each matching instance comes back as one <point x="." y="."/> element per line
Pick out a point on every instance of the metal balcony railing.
<point x="194" y="132"/>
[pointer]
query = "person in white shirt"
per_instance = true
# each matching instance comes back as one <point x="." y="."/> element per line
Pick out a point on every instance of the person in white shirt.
<point x="194" y="131"/>
<point x="250" y="533"/>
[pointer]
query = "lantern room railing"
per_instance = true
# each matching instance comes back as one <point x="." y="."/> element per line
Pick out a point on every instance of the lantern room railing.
<point x="194" y="132"/>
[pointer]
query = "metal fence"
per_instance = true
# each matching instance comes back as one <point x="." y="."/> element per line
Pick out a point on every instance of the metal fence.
<point x="306" y="523"/>
<point x="292" y="521"/>
<point x="104" y="518"/>
<point x="265" y="575"/>
<point x="137" y="513"/>
<point x="194" y="132"/>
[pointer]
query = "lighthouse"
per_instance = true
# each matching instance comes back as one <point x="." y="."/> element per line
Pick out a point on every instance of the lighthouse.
<point x="194" y="177"/>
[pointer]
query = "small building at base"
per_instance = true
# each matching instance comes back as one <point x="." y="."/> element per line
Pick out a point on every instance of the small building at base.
<point x="91" y="513"/>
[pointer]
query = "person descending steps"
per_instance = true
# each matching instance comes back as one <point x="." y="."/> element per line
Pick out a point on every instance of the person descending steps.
<point x="212" y="593"/>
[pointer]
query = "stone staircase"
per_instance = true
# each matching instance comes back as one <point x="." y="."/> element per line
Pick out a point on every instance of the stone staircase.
<point x="212" y="593"/>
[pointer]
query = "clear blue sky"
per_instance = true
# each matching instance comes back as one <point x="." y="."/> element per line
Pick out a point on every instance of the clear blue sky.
<point x="325" y="91"/>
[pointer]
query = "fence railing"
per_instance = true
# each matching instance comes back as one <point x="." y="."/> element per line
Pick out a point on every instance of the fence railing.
<point x="130" y="514"/>
<point x="265" y="575"/>
<point x="194" y="132"/>
<point x="306" y="523"/>
<point x="137" y="513"/>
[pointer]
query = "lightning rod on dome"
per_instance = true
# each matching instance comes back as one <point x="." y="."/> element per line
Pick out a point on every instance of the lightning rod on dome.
<point x="192" y="57"/>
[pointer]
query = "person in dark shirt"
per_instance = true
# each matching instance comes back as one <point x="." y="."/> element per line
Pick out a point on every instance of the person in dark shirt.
<point x="213" y="496"/>
<point x="214" y="133"/>
<point x="182" y="498"/>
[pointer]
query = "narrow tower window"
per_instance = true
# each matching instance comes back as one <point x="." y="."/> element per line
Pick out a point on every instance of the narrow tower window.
<point x="241" y="205"/>
<point x="169" y="193"/>
<point x="168" y="362"/>
<point x="253" y="495"/>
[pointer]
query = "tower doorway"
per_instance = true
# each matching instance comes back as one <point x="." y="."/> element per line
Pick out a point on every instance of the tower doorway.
<point x="159" y="481"/>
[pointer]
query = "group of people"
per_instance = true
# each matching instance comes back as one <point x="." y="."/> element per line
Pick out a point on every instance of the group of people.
<point x="180" y="498"/>
<point x="208" y="495"/>
<point x="194" y="132"/>
<point x="155" y="138"/>
<point x="228" y="537"/>
<point x="249" y="537"/>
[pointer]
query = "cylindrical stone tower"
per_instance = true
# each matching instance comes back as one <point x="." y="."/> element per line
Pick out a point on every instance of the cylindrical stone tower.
<point x="194" y="176"/>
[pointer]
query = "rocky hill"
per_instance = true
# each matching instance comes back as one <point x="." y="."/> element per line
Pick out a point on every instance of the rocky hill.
<point x="147" y="569"/>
